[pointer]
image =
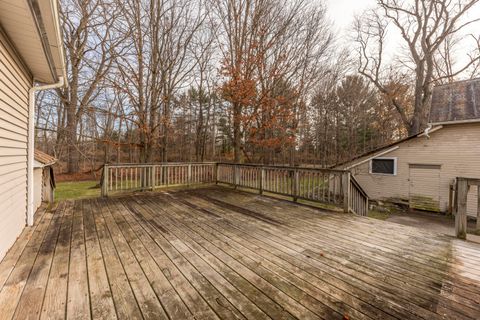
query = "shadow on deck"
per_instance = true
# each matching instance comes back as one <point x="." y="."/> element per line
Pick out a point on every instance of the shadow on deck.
<point x="217" y="253"/>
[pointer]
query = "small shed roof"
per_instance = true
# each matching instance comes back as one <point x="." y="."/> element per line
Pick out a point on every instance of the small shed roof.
<point x="44" y="159"/>
<point x="454" y="102"/>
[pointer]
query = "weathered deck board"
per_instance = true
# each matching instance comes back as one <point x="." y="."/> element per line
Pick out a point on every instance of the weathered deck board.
<point x="54" y="304"/>
<point x="217" y="253"/>
<point x="392" y="288"/>
<point x="12" y="289"/>
<point x="281" y="249"/>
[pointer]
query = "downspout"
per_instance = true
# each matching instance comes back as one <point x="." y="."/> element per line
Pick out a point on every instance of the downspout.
<point x="427" y="130"/>
<point x="31" y="144"/>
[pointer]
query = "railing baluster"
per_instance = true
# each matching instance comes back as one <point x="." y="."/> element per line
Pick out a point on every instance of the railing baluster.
<point x="323" y="185"/>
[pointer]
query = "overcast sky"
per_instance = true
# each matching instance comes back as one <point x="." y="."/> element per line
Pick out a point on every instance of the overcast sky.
<point x="342" y="13"/>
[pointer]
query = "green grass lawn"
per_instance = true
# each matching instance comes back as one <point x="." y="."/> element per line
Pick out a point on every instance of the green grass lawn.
<point x="76" y="190"/>
<point x="378" y="215"/>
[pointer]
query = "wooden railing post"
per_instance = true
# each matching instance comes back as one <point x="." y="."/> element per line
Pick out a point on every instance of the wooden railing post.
<point x="346" y="191"/>
<point x="105" y="181"/>
<point x="262" y="180"/>
<point x="236" y="175"/>
<point x="451" y="191"/>
<point x="215" y="169"/>
<point x="166" y="175"/>
<point x="478" y="208"/>
<point x="366" y="206"/>
<point x="152" y="177"/>
<point x="189" y="174"/>
<point x="461" y="214"/>
<point x="296" y="184"/>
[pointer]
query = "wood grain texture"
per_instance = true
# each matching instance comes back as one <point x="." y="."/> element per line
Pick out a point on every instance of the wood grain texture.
<point x="216" y="253"/>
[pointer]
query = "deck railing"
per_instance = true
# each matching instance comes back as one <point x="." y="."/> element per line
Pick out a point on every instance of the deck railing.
<point x="358" y="198"/>
<point x="461" y="189"/>
<point x="138" y="177"/>
<point x="336" y="187"/>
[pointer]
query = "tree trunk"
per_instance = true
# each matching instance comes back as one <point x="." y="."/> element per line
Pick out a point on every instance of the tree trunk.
<point x="236" y="132"/>
<point x="72" y="160"/>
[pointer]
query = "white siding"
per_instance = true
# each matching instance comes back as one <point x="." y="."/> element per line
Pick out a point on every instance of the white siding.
<point x="14" y="86"/>
<point x="37" y="187"/>
<point x="456" y="148"/>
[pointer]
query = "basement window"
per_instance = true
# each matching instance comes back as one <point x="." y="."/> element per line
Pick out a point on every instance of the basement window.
<point x="386" y="166"/>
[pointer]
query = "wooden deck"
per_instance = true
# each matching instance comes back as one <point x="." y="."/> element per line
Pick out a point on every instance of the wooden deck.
<point x="218" y="253"/>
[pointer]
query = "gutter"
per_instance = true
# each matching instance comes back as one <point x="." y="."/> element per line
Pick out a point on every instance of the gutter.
<point x="456" y="122"/>
<point x="31" y="144"/>
<point x="59" y="37"/>
<point x="432" y="127"/>
<point x="37" y="17"/>
<point x="372" y="157"/>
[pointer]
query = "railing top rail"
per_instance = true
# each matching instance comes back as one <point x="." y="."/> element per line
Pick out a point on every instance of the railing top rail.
<point x="358" y="186"/>
<point x="280" y="167"/>
<point x="123" y="165"/>
<point x="298" y="183"/>
<point x="155" y="164"/>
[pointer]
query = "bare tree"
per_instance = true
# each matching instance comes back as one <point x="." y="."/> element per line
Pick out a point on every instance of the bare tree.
<point x="425" y="26"/>
<point x="90" y="42"/>
<point x="157" y="64"/>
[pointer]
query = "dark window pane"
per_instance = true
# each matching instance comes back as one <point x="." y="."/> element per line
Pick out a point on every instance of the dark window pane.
<point x="386" y="166"/>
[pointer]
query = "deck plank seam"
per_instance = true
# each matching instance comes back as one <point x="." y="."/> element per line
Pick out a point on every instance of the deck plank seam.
<point x="143" y="227"/>
<point x="31" y="267"/>
<point x="30" y="232"/>
<point x="106" y="241"/>
<point x="140" y="265"/>
<point x="115" y="245"/>
<point x="154" y="228"/>
<point x="400" y="257"/>
<point x="336" y="276"/>
<point x="53" y="255"/>
<point x="246" y="266"/>
<point x="231" y="268"/>
<point x="246" y="240"/>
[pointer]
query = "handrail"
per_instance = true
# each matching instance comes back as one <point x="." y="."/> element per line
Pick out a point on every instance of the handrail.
<point x="279" y="166"/>
<point x="138" y="177"/>
<point x="358" y="202"/>
<point x="154" y="164"/>
<point x="335" y="187"/>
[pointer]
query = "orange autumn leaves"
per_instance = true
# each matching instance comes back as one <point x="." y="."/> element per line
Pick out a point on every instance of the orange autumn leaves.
<point x="268" y="107"/>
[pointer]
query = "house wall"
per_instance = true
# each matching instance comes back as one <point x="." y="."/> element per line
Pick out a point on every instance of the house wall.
<point x="37" y="188"/>
<point x="14" y="85"/>
<point x="456" y="148"/>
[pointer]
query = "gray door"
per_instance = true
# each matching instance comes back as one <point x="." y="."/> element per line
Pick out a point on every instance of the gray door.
<point x="424" y="191"/>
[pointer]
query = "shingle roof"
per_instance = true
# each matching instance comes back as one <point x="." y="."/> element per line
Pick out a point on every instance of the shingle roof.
<point x="458" y="101"/>
<point x="44" y="158"/>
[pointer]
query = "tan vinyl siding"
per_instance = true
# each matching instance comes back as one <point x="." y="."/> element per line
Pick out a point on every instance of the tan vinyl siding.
<point x="37" y="187"/>
<point x="14" y="86"/>
<point x="456" y="148"/>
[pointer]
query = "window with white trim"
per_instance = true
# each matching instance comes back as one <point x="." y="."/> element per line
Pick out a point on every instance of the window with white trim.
<point x="386" y="166"/>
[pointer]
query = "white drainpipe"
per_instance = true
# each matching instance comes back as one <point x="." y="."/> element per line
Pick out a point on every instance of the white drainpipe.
<point x="31" y="144"/>
<point x="427" y="130"/>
